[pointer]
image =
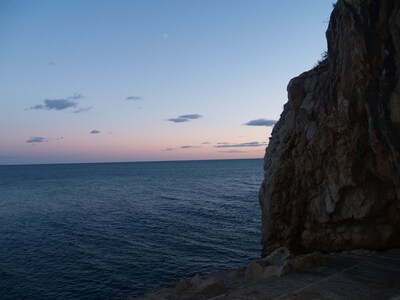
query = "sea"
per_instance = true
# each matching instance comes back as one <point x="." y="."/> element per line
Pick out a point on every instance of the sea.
<point x="115" y="230"/>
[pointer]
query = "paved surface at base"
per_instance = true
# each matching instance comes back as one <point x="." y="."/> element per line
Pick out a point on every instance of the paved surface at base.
<point x="346" y="276"/>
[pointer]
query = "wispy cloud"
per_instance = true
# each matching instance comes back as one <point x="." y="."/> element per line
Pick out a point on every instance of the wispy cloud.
<point x="95" y="131"/>
<point x="75" y="96"/>
<point x="232" y="151"/>
<point x="240" y="145"/>
<point x="83" y="109"/>
<point x="261" y="122"/>
<point x="185" y="118"/>
<point x="134" y="98"/>
<point x="190" y="117"/>
<point x="40" y="139"/>
<point x="206" y="143"/>
<point x="178" y="120"/>
<point x="58" y="104"/>
<point x="55" y="139"/>
<point x="38" y="106"/>
<point x="36" y="139"/>
<point x="181" y="147"/>
<point x="189" y="147"/>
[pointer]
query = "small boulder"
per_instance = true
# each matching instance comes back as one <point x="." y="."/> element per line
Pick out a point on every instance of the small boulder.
<point x="301" y="262"/>
<point x="269" y="272"/>
<point x="254" y="271"/>
<point x="239" y="272"/>
<point x="308" y="261"/>
<point x="196" y="281"/>
<point x="284" y="269"/>
<point x="363" y="252"/>
<point x="210" y="286"/>
<point x="279" y="255"/>
<point x="219" y="297"/>
<point x="182" y="286"/>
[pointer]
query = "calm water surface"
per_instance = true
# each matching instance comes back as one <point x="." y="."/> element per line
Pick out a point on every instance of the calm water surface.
<point x="110" y="231"/>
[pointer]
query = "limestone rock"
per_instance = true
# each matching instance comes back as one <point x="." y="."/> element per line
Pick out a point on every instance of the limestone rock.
<point x="301" y="262"/>
<point x="182" y="286"/>
<point x="210" y="286"/>
<point x="196" y="281"/>
<point x="238" y="272"/>
<point x="332" y="167"/>
<point x="219" y="297"/>
<point x="254" y="271"/>
<point x="278" y="255"/>
<point x="284" y="269"/>
<point x="269" y="272"/>
<point x="308" y="261"/>
<point x="363" y="252"/>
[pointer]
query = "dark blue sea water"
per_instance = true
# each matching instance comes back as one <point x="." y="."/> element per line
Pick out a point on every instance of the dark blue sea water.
<point x="110" y="231"/>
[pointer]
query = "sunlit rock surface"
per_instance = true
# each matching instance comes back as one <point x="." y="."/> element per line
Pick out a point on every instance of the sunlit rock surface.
<point x="332" y="167"/>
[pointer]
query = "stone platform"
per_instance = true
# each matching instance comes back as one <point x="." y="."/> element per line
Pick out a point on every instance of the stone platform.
<point x="355" y="275"/>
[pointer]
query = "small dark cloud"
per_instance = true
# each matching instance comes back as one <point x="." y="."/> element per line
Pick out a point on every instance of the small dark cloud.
<point x="95" y="131"/>
<point x="185" y="118"/>
<point x="181" y="147"/>
<point x="39" y="106"/>
<point x="55" y="139"/>
<point x="190" y="117"/>
<point x="178" y="120"/>
<point x="59" y="104"/>
<point x="189" y="147"/>
<point x="36" y="139"/>
<point x="206" y="143"/>
<point x="80" y="110"/>
<point x="133" y="98"/>
<point x="232" y="151"/>
<point x="261" y="122"/>
<point x="249" y="144"/>
<point x="75" y="96"/>
<point x="51" y="63"/>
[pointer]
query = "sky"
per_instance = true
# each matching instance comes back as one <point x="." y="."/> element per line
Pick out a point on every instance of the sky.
<point x="149" y="80"/>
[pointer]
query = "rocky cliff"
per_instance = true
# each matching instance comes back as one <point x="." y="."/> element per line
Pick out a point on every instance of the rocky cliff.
<point x="332" y="168"/>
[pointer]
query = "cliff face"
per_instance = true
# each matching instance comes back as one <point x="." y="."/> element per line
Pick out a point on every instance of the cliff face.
<point x="332" y="168"/>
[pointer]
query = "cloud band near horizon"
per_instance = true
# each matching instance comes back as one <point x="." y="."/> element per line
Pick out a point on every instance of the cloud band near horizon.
<point x="261" y="122"/>
<point x="240" y="145"/>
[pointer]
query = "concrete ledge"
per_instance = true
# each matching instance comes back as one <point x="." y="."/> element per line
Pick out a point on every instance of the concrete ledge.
<point x="356" y="275"/>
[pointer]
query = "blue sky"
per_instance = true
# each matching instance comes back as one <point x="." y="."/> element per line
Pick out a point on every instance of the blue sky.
<point x="92" y="81"/>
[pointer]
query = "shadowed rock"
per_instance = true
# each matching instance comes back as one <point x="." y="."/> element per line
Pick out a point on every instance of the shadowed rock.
<point x="332" y="169"/>
<point x="355" y="275"/>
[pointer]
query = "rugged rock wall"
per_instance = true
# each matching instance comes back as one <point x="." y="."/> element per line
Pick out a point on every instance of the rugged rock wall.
<point x="332" y="168"/>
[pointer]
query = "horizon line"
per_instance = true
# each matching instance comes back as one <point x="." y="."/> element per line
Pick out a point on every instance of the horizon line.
<point x="125" y="162"/>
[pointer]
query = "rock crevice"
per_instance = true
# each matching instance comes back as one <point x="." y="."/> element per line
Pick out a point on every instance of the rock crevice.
<point x="332" y="167"/>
